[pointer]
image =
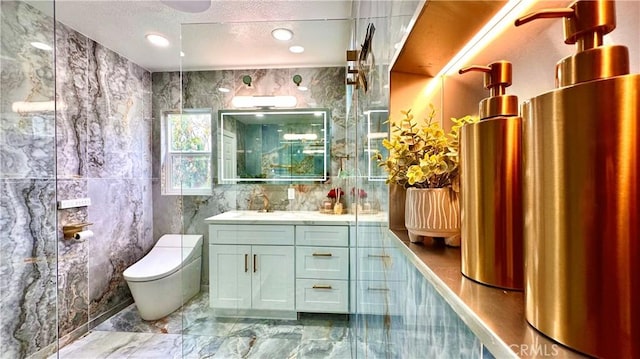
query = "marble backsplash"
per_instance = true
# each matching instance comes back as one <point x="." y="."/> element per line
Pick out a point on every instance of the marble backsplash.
<point x="97" y="145"/>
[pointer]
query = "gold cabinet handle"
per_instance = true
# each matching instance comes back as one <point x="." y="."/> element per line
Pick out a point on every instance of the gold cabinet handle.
<point x="322" y="254"/>
<point x="379" y="256"/>
<point x="378" y="289"/>
<point x="255" y="265"/>
<point x="246" y="263"/>
<point x="321" y="286"/>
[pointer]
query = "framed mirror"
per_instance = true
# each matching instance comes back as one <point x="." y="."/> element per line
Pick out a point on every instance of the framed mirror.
<point x="273" y="145"/>
<point x="377" y="130"/>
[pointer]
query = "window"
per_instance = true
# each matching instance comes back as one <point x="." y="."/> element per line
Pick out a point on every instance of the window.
<point x="186" y="157"/>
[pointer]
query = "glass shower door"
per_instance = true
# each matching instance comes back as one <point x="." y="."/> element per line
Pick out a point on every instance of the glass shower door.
<point x="28" y="230"/>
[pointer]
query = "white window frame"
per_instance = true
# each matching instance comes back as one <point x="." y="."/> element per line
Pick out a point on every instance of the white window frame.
<point x="169" y="156"/>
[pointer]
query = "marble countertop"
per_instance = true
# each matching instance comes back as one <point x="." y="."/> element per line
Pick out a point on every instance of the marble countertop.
<point x="495" y="315"/>
<point x="295" y="217"/>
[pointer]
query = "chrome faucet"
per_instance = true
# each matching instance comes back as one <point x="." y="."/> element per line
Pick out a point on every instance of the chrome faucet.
<point x="266" y="204"/>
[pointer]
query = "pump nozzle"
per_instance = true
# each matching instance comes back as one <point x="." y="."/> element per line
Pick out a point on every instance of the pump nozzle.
<point x="497" y="77"/>
<point x="585" y="22"/>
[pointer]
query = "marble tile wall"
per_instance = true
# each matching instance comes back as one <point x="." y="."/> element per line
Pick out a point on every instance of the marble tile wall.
<point x="97" y="145"/>
<point x="27" y="184"/>
<point x="104" y="153"/>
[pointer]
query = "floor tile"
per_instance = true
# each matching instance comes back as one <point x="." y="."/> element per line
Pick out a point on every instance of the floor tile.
<point x="98" y="345"/>
<point x="251" y="347"/>
<point x="324" y="349"/>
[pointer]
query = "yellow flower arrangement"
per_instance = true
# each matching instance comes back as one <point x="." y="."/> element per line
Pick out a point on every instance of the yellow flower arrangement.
<point x="423" y="156"/>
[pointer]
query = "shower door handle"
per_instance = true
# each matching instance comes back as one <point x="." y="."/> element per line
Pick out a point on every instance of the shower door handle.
<point x="255" y="266"/>
<point x="246" y="263"/>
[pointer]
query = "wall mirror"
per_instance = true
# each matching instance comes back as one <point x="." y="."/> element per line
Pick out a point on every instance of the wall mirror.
<point x="273" y="145"/>
<point x="377" y="130"/>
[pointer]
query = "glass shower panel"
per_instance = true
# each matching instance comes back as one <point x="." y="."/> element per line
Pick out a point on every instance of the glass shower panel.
<point x="28" y="230"/>
<point x="378" y="274"/>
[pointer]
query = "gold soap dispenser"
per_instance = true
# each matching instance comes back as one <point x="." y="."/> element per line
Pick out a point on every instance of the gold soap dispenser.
<point x="582" y="197"/>
<point x="491" y="185"/>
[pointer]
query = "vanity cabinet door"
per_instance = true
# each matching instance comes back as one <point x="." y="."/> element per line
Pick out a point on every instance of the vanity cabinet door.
<point x="230" y="283"/>
<point x="273" y="285"/>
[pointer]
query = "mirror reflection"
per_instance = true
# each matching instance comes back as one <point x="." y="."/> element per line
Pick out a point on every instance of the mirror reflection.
<point x="377" y="131"/>
<point x="273" y="145"/>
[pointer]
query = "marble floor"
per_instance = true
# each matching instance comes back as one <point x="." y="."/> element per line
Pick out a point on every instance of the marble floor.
<point x="195" y="333"/>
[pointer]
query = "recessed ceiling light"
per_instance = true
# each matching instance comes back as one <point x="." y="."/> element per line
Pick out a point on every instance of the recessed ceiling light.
<point x="296" y="49"/>
<point x="282" y="34"/>
<point x="223" y="89"/>
<point x="41" y="46"/>
<point x="157" y="40"/>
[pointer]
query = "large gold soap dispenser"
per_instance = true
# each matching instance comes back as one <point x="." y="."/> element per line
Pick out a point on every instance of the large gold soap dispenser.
<point x="491" y="185"/>
<point x="581" y="200"/>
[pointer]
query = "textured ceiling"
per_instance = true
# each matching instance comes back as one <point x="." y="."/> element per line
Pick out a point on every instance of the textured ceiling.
<point x="243" y="41"/>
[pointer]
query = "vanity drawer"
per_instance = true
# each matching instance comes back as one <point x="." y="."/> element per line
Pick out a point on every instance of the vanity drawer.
<point x="322" y="262"/>
<point x="376" y="264"/>
<point x="321" y="295"/>
<point x="251" y="234"/>
<point x="334" y="236"/>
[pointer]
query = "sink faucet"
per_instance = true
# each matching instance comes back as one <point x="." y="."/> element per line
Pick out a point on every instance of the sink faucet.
<point x="266" y="205"/>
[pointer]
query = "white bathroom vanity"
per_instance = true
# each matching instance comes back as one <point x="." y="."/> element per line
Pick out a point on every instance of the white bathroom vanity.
<point x="278" y="264"/>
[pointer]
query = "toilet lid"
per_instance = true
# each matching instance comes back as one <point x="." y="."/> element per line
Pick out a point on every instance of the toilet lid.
<point x="158" y="263"/>
<point x="180" y="240"/>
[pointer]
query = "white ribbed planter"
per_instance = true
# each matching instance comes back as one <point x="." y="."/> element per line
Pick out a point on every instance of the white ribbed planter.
<point x="432" y="212"/>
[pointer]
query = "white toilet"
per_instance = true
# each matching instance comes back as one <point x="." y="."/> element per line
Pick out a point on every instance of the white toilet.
<point x="167" y="276"/>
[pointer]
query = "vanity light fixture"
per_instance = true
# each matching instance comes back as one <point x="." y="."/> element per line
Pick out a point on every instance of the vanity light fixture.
<point x="223" y="89"/>
<point x="41" y="46"/>
<point x="303" y="88"/>
<point x="282" y="34"/>
<point x="377" y="135"/>
<point x="37" y="106"/>
<point x="264" y="101"/>
<point x="311" y="152"/>
<point x="296" y="49"/>
<point x="300" y="136"/>
<point x="157" y="40"/>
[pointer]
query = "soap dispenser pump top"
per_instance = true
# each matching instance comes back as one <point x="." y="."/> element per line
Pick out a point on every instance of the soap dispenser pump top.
<point x="585" y="23"/>
<point x="497" y="77"/>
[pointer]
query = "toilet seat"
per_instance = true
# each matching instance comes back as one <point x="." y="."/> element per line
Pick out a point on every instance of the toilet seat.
<point x="165" y="258"/>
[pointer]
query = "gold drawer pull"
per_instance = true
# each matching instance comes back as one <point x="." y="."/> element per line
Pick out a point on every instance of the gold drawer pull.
<point x="379" y="256"/>
<point x="321" y="286"/>
<point x="322" y="254"/>
<point x="378" y="289"/>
